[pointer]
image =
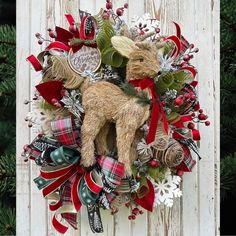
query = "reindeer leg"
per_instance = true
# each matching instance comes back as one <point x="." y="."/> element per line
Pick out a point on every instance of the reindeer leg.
<point x="91" y="126"/>
<point x="101" y="140"/>
<point x="125" y="137"/>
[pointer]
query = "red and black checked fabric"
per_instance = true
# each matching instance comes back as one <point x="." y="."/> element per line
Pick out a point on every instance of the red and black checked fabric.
<point x="63" y="131"/>
<point x="71" y="218"/>
<point x="188" y="163"/>
<point x="112" y="169"/>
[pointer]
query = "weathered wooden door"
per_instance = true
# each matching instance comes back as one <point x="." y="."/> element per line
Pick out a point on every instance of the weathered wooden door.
<point x="197" y="213"/>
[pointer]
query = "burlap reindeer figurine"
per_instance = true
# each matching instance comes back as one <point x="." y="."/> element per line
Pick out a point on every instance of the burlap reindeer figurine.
<point x="105" y="102"/>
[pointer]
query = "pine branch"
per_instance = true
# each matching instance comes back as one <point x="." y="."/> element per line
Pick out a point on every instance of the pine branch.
<point x="228" y="176"/>
<point x="7" y="220"/>
<point x="7" y="176"/>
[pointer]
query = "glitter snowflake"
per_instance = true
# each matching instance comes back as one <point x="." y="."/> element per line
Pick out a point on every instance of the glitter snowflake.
<point x="167" y="189"/>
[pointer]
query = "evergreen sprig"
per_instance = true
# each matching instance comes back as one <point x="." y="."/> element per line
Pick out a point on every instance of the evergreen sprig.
<point x="7" y="176"/>
<point x="228" y="176"/>
<point x="7" y="220"/>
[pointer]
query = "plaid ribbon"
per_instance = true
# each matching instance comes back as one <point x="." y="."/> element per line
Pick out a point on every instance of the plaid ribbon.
<point x="112" y="169"/>
<point x="188" y="163"/>
<point x="65" y="194"/>
<point x="41" y="143"/>
<point x="63" y="131"/>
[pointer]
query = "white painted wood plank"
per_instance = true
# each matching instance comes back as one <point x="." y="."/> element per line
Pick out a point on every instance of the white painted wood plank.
<point x="216" y="92"/>
<point x="22" y="134"/>
<point x="206" y="97"/>
<point x="190" y="180"/>
<point x="38" y="203"/>
<point x="122" y="224"/>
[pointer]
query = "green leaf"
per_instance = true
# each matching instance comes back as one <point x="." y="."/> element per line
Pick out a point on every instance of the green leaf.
<point x="111" y="57"/>
<point x="173" y="116"/>
<point x="158" y="174"/>
<point x="104" y="36"/>
<point x="173" y="80"/>
<point x="129" y="89"/>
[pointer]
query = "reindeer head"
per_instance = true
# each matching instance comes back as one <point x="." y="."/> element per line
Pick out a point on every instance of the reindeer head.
<point x="143" y="57"/>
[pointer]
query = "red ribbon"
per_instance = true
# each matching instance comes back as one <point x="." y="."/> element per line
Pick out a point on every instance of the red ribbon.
<point x="35" y="62"/>
<point x="156" y="109"/>
<point x="182" y="124"/>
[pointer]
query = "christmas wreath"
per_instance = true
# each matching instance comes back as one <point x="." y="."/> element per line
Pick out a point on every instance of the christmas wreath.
<point x="115" y="116"/>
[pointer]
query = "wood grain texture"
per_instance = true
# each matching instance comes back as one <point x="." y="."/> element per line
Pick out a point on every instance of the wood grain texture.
<point x="197" y="213"/>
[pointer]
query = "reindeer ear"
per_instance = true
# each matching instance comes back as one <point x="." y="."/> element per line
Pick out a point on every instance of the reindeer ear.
<point x="123" y="45"/>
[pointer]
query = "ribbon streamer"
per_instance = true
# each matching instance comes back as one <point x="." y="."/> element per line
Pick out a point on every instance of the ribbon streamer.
<point x="156" y="109"/>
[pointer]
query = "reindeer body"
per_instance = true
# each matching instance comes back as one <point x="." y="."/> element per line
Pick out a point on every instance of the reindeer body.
<point x="112" y="106"/>
<point x="104" y="102"/>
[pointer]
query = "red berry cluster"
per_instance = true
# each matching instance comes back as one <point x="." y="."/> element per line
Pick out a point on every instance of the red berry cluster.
<point x="41" y="40"/>
<point x="134" y="212"/>
<point x="200" y="118"/>
<point x="109" y="10"/>
<point x="187" y="97"/>
<point x="188" y="55"/>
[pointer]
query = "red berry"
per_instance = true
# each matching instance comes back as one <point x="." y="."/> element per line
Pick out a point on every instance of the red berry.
<point x="180" y="173"/>
<point x="191" y="56"/>
<point x="193" y="97"/>
<point x="202" y="116"/>
<point x="138" y="177"/>
<point x="187" y="95"/>
<point x="141" y="32"/>
<point x="52" y="34"/>
<point x="179" y="101"/>
<point x="193" y="114"/>
<point x="153" y="163"/>
<point x="109" y="5"/>
<point x="120" y="11"/>
<point x="127" y="204"/>
<point x="106" y="15"/>
<point x="37" y="35"/>
<point x="126" y="5"/>
<point x="140" y="212"/>
<point x="201" y="111"/>
<point x="186" y="58"/>
<point x="157" y="30"/>
<point x="135" y="211"/>
<point x="130" y="217"/>
<point x="133" y="217"/>
<point x="191" y="126"/>
<point x="191" y="45"/>
<point x="163" y="103"/>
<point x="40" y="42"/>
<point x="207" y="123"/>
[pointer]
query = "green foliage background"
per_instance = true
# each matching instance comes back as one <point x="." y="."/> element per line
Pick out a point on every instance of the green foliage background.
<point x="228" y="98"/>
<point x="7" y="130"/>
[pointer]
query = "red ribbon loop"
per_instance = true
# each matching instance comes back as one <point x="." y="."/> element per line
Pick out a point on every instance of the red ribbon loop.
<point x="35" y="62"/>
<point x="156" y="109"/>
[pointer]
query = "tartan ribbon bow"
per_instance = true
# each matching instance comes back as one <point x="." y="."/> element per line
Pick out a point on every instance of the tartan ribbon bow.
<point x="85" y="187"/>
<point x="157" y="107"/>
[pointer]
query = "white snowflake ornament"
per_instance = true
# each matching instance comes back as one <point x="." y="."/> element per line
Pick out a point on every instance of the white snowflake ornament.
<point x="167" y="189"/>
